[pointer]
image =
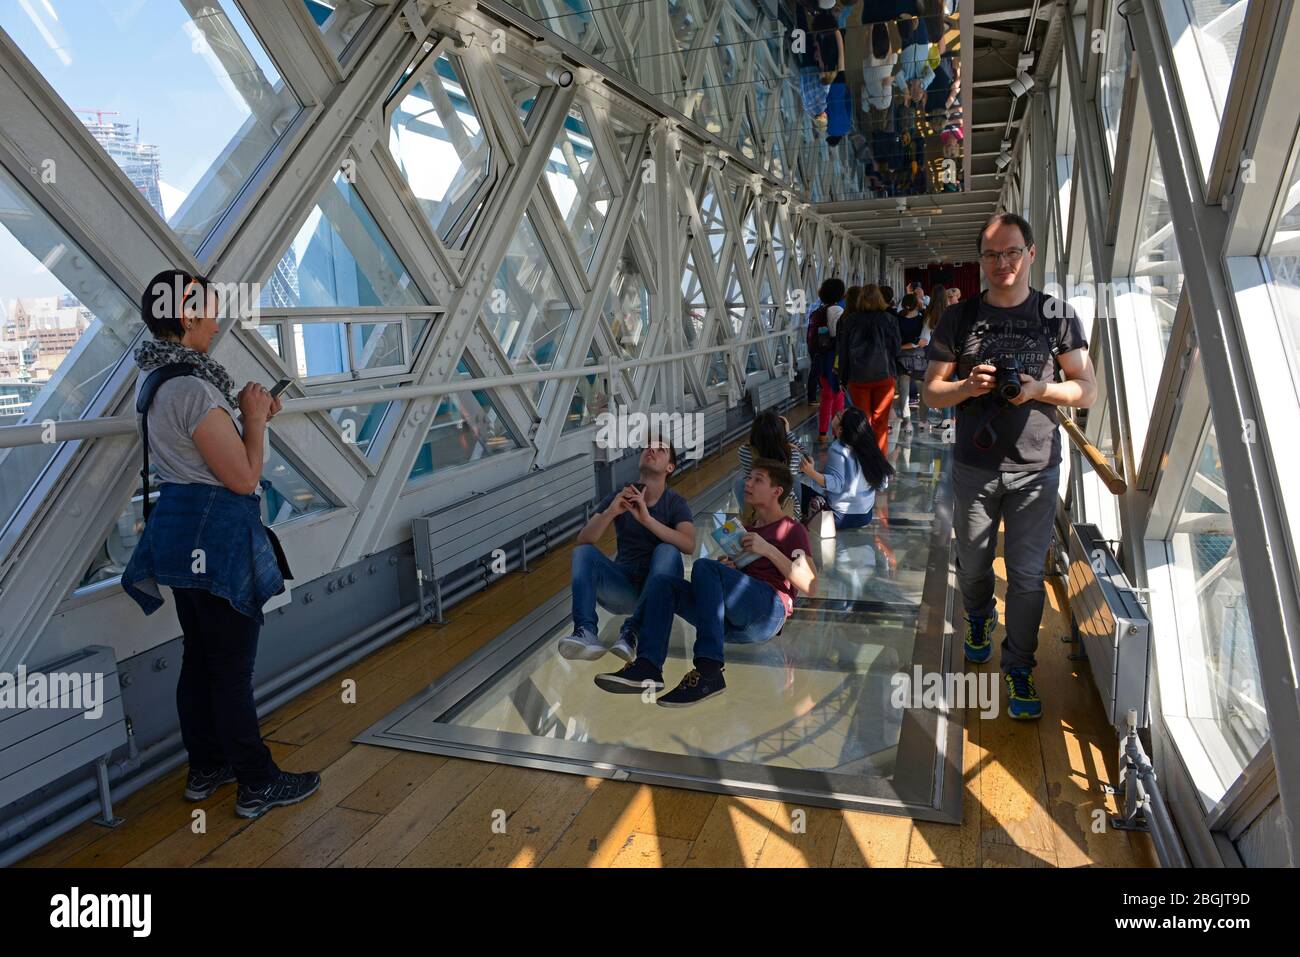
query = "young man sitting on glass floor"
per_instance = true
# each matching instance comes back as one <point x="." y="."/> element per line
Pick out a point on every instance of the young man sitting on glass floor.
<point x="654" y="527"/>
<point x="744" y="599"/>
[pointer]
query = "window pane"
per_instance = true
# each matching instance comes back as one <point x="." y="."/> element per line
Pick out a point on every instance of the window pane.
<point x="527" y="309"/>
<point x="578" y="184"/>
<point x="56" y="349"/>
<point x="714" y="228"/>
<point x="1158" y="271"/>
<point x="439" y="145"/>
<point x="190" y="142"/>
<point x="359" y="424"/>
<point x="466" y="427"/>
<point x="627" y="306"/>
<point x="1283" y="261"/>
<point x="522" y="92"/>
<point x="1216" y="25"/>
<point x="377" y="345"/>
<point x="696" y="307"/>
<point x="735" y="302"/>
<point x="590" y="398"/>
<point x="717" y="363"/>
<point x="341" y="258"/>
<point x="1113" y="72"/>
<point x="339" y="21"/>
<point x="1221" y="672"/>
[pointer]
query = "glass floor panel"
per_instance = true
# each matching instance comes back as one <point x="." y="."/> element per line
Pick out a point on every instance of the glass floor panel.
<point x="809" y="715"/>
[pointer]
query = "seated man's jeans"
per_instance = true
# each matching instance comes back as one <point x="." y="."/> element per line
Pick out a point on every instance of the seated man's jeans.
<point x="723" y="604"/>
<point x="617" y="587"/>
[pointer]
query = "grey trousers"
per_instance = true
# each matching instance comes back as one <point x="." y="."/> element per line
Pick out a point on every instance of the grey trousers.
<point x="1026" y="503"/>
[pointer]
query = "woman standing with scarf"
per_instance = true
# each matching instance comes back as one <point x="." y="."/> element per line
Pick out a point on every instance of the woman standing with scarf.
<point x="205" y="540"/>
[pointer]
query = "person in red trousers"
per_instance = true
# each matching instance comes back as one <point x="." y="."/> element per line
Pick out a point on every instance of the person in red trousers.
<point x="823" y="325"/>
<point x="867" y="343"/>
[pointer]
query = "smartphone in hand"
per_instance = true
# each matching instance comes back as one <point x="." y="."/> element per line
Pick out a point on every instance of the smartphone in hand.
<point x="279" y="387"/>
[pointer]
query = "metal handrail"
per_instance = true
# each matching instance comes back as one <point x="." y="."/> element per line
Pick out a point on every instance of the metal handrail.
<point x="71" y="430"/>
<point x="1100" y="464"/>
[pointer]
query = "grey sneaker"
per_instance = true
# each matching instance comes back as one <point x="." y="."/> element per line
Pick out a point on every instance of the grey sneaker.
<point x="581" y="646"/>
<point x="625" y="647"/>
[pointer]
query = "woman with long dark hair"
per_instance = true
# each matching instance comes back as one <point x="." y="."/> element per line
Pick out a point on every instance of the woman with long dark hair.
<point x="855" y="470"/>
<point x="770" y="438"/>
<point x="868" y="344"/>
<point x="205" y="540"/>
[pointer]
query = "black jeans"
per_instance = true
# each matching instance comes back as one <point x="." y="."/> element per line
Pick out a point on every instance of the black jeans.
<point x="214" y="695"/>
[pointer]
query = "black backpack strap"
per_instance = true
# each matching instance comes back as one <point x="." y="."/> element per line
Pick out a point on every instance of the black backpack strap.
<point x="143" y="400"/>
<point x="1051" y="327"/>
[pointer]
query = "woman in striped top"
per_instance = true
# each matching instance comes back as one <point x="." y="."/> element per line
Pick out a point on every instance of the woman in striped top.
<point x="770" y="438"/>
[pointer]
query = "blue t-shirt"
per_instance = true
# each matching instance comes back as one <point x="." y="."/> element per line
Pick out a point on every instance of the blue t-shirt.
<point x="636" y="543"/>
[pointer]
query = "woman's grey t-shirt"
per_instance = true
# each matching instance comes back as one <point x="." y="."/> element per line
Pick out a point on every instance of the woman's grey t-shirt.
<point x="178" y="407"/>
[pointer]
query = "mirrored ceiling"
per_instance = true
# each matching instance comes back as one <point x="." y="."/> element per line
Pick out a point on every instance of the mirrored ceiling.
<point x="840" y="100"/>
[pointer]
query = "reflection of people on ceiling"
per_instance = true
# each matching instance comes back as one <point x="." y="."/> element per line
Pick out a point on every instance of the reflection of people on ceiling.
<point x="878" y="76"/>
<point x="882" y="11"/>
<point x="839" y="110"/>
<point x="821" y="61"/>
<point x="915" y="73"/>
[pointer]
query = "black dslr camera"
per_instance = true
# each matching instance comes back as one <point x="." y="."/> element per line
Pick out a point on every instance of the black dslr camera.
<point x="1008" y="378"/>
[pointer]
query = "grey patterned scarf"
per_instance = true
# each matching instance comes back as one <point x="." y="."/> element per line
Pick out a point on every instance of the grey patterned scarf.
<point x="153" y="353"/>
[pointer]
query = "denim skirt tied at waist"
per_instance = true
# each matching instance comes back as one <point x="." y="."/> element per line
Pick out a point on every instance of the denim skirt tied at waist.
<point x="207" y="537"/>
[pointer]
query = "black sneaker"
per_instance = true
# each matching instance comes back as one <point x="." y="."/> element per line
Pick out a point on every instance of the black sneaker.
<point x="632" y="678"/>
<point x="286" y="788"/>
<point x="694" y="688"/>
<point x="199" y="785"/>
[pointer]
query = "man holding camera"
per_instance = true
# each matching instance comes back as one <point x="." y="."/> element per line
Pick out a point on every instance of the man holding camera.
<point x="1005" y="348"/>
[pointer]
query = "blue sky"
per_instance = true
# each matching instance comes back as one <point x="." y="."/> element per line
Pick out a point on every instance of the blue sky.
<point x="136" y="57"/>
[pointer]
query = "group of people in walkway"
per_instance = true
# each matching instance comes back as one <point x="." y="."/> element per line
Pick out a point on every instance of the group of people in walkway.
<point x="869" y="352"/>
<point x="1002" y="362"/>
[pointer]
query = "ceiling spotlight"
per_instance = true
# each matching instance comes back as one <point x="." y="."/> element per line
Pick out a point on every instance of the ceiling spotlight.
<point x="1021" y="84"/>
<point x="560" y="75"/>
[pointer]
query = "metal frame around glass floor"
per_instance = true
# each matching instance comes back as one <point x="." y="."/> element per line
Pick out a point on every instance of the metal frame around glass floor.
<point x="927" y="778"/>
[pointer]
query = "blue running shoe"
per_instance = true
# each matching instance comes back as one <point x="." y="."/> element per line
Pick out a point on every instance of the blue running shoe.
<point x="979" y="638"/>
<point x="1023" y="702"/>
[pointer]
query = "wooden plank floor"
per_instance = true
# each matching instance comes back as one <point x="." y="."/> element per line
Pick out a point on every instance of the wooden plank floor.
<point x="1032" y="797"/>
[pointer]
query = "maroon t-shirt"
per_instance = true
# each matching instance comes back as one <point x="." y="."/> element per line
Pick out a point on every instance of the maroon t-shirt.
<point x="788" y="536"/>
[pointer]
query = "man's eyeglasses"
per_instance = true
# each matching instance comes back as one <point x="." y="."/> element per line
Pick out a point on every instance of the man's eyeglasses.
<point x="1012" y="256"/>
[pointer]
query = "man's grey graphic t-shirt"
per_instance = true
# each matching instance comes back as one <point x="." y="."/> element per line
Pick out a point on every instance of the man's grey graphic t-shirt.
<point x="1025" y="437"/>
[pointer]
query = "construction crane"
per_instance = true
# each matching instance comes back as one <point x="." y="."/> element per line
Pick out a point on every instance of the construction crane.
<point x="99" y="114"/>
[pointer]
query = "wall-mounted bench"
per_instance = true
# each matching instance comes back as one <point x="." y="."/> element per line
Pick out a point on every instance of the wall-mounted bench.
<point x="715" y="427"/>
<point x="765" y="395"/>
<point x="469" y="531"/>
<point x="39" y="745"/>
